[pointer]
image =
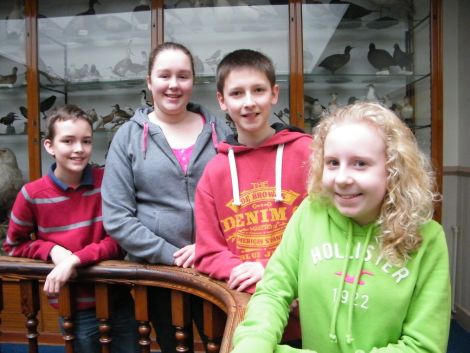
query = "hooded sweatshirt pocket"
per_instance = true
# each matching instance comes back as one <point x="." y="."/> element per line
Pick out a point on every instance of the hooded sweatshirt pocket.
<point x="175" y="226"/>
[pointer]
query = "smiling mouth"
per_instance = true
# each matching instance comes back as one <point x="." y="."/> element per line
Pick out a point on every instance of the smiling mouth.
<point x="348" y="197"/>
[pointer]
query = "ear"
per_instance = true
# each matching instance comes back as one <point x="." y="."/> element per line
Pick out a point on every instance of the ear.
<point x="49" y="147"/>
<point x="275" y="96"/>
<point x="220" y="98"/>
<point x="149" y="83"/>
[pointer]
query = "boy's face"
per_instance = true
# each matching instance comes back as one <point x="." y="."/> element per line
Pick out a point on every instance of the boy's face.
<point x="354" y="170"/>
<point x="71" y="147"/>
<point x="248" y="98"/>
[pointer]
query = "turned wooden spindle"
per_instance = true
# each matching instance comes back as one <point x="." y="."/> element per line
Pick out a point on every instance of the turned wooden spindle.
<point x="66" y="312"/>
<point x="181" y="319"/>
<point x="102" y="314"/>
<point x="142" y="317"/>
<point x="30" y="307"/>
<point x="214" y="325"/>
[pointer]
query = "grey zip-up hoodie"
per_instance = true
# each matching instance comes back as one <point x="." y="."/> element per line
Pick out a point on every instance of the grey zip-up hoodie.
<point x="148" y="201"/>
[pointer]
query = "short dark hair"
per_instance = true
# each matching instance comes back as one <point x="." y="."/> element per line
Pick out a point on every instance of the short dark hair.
<point x="244" y="58"/>
<point x="169" y="46"/>
<point x="64" y="113"/>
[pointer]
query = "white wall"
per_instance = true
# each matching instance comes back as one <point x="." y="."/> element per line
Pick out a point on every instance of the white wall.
<point x="456" y="188"/>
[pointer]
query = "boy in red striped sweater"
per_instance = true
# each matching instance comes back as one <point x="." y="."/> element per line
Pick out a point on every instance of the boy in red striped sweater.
<point x="58" y="218"/>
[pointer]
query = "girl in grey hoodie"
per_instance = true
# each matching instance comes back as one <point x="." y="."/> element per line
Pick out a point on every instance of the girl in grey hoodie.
<point x="152" y="169"/>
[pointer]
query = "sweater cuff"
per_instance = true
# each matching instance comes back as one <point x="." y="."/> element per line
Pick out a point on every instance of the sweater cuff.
<point x="253" y="344"/>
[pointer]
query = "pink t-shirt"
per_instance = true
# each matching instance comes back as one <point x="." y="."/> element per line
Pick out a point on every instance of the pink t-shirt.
<point x="183" y="155"/>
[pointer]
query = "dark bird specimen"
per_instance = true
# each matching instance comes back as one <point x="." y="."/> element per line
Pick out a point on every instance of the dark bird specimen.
<point x="81" y="21"/>
<point x="11" y="181"/>
<point x="402" y="59"/>
<point x="91" y="8"/>
<point x="11" y="78"/>
<point x="24" y="112"/>
<point x="94" y="73"/>
<point x="141" y="14"/>
<point x="143" y="99"/>
<point x="46" y="104"/>
<point x="379" y="58"/>
<point x="336" y="61"/>
<point x="8" y="119"/>
<point x="353" y="11"/>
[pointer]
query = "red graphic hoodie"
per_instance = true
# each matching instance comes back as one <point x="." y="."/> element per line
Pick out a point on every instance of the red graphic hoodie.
<point x="245" y="198"/>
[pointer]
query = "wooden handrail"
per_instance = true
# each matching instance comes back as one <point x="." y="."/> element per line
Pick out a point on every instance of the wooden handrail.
<point x="231" y="302"/>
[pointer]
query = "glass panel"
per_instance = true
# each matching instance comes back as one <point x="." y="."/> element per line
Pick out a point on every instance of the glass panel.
<point x="352" y="52"/>
<point x="93" y="54"/>
<point x="13" y="139"/>
<point x="212" y="32"/>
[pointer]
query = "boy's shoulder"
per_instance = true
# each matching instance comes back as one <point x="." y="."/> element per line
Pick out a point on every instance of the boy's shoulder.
<point x="38" y="186"/>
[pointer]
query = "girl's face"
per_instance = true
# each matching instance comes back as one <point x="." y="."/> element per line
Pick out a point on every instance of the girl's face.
<point x="171" y="82"/>
<point x="71" y="146"/>
<point x="354" y="171"/>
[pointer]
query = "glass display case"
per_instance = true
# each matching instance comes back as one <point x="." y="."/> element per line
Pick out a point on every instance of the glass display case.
<point x="13" y="120"/>
<point x="371" y="51"/>
<point x="94" y="54"/>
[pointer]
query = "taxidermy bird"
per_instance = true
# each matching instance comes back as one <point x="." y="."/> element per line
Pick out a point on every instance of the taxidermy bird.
<point x="93" y="115"/>
<point x="143" y="99"/>
<point x="122" y="66"/>
<point x="94" y="73"/>
<point x="11" y="181"/>
<point x="9" y="79"/>
<point x="283" y="114"/>
<point x="120" y="116"/>
<point x="402" y="59"/>
<point x="336" y="61"/>
<point x="353" y="11"/>
<point x="407" y="110"/>
<point x="14" y="25"/>
<point x="371" y="96"/>
<point x="8" y="119"/>
<point x="318" y="110"/>
<point x="46" y="104"/>
<point x="379" y="58"/>
<point x="81" y="22"/>
<point x="141" y="14"/>
<point x="213" y="60"/>
<point x="333" y="103"/>
<point x="24" y="112"/>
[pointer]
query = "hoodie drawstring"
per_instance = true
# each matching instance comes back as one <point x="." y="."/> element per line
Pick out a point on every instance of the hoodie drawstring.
<point x="279" y="153"/>
<point x="356" y="277"/>
<point x="144" y="141"/>
<point x="234" y="176"/>
<point x="341" y="286"/>
<point x="278" y="175"/>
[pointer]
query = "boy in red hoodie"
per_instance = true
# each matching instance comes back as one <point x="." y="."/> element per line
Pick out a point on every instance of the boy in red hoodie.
<point x="249" y="191"/>
<point x="58" y="218"/>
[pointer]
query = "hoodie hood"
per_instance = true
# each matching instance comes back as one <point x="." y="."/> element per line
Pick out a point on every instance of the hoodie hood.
<point x="141" y="118"/>
<point x="284" y="134"/>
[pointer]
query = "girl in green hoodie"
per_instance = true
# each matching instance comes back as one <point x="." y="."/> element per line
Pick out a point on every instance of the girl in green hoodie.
<point x="362" y="253"/>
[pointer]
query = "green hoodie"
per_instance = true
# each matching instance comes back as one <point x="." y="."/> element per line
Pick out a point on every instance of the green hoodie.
<point x="389" y="310"/>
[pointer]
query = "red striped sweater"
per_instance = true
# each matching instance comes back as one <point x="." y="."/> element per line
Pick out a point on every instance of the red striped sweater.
<point x="47" y="213"/>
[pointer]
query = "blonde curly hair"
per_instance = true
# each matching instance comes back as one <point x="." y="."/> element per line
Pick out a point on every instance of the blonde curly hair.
<point x="411" y="191"/>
